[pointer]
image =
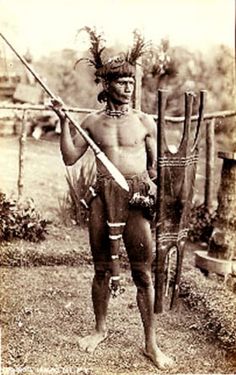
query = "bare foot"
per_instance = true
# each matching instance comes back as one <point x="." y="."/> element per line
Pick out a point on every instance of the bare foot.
<point x="159" y="359"/>
<point x="89" y="343"/>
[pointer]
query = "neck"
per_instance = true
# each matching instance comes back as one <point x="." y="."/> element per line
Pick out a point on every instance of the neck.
<point x="111" y="106"/>
<point x="116" y="110"/>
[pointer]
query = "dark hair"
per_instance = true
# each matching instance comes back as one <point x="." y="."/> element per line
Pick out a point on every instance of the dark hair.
<point x="122" y="65"/>
<point x="110" y="74"/>
<point x="111" y="71"/>
<point x="102" y="96"/>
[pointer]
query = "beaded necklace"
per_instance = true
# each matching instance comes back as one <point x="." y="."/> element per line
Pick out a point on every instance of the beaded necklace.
<point x="116" y="113"/>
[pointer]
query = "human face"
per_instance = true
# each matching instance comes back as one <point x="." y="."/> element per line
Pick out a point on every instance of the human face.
<point x="120" y="90"/>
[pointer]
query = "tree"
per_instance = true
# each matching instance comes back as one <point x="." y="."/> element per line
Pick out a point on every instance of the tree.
<point x="179" y="70"/>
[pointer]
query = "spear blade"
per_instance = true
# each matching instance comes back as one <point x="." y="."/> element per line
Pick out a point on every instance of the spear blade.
<point x="115" y="173"/>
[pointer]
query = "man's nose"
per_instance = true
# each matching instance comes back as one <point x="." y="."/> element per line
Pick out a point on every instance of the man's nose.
<point x="128" y="87"/>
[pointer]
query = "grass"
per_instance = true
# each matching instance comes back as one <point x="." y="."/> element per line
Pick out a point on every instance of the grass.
<point x="46" y="303"/>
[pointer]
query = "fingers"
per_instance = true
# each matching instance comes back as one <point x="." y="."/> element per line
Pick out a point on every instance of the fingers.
<point x="56" y="104"/>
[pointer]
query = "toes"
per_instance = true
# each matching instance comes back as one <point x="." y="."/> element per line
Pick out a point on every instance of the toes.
<point x="163" y="362"/>
<point x="83" y="345"/>
<point x="88" y="344"/>
<point x="165" y="365"/>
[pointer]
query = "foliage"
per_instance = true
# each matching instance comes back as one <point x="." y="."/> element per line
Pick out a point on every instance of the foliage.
<point x="213" y="304"/>
<point x="75" y="85"/>
<point x="79" y="178"/>
<point x="66" y="210"/>
<point x="201" y="224"/>
<point x="179" y="70"/>
<point x="174" y="68"/>
<point x="20" y="220"/>
<point x="54" y="251"/>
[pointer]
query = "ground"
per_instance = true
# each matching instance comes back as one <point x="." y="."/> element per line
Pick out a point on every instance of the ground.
<point x="46" y="308"/>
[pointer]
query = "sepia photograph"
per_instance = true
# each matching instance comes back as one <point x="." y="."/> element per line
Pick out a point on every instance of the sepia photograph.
<point x="117" y="187"/>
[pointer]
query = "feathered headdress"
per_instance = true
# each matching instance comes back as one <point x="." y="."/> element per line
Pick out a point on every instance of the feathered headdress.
<point x="117" y="66"/>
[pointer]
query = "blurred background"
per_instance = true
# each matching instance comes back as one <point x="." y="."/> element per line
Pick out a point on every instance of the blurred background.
<point x="191" y="47"/>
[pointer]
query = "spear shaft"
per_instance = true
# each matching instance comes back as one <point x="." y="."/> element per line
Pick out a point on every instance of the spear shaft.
<point x="115" y="173"/>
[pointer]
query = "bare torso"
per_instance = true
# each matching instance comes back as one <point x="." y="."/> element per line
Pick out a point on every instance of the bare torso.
<point x="129" y="142"/>
<point x="123" y="140"/>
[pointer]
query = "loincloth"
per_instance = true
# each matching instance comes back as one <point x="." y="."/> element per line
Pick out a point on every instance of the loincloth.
<point x="140" y="195"/>
<point x="118" y="203"/>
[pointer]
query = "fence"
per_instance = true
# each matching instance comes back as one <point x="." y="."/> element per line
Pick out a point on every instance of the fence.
<point x="209" y="118"/>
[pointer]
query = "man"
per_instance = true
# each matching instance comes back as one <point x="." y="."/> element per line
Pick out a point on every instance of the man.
<point x="128" y="138"/>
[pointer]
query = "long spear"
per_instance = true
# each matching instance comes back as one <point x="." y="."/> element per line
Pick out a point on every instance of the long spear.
<point x="115" y="173"/>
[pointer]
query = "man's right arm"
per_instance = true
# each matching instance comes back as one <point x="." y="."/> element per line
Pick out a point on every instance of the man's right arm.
<point x="72" y="149"/>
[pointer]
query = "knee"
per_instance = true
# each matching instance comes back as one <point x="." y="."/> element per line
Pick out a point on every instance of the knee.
<point x="101" y="276"/>
<point x="142" y="278"/>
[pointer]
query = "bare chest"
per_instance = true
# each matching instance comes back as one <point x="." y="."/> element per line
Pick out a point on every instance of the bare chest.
<point x="119" y="132"/>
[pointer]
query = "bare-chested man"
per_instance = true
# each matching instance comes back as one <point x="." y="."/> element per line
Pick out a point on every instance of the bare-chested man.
<point x="128" y="138"/>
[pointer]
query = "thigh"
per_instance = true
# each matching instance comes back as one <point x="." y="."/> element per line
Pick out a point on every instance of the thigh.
<point x="138" y="241"/>
<point x="98" y="235"/>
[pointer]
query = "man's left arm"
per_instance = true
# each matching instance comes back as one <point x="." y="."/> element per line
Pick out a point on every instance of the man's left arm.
<point x="151" y="146"/>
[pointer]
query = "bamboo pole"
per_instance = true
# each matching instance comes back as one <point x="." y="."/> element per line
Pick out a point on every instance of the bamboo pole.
<point x="22" y="147"/>
<point x="207" y="116"/>
<point x="138" y="85"/>
<point x="42" y="107"/>
<point x="171" y="119"/>
<point x="210" y="163"/>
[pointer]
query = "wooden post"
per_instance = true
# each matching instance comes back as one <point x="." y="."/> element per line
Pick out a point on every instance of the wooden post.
<point x="223" y="239"/>
<point x="160" y="250"/>
<point x="22" y="144"/>
<point x="138" y="85"/>
<point x="221" y="255"/>
<point x="210" y="163"/>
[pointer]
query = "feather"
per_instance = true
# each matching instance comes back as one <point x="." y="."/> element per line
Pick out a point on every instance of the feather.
<point x="138" y="49"/>
<point x="120" y="64"/>
<point x="91" y="62"/>
<point x="95" y="50"/>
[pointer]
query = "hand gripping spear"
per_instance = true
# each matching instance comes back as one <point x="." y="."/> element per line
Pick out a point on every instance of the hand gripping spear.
<point x="114" y="172"/>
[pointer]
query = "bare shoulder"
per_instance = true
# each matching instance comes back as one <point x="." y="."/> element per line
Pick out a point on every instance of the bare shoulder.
<point x="147" y="120"/>
<point x="91" y="119"/>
